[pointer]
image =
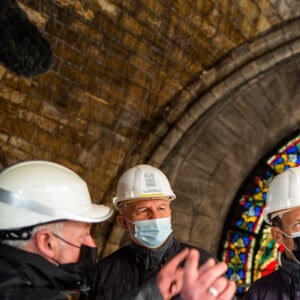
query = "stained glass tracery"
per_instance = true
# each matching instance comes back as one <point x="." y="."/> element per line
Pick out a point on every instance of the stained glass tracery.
<point x="248" y="248"/>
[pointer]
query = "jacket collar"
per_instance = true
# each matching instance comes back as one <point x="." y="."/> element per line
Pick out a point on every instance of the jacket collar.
<point x="37" y="270"/>
<point x="290" y="267"/>
<point x="152" y="258"/>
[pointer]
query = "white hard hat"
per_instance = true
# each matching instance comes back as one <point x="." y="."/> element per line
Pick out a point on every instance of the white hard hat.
<point x="37" y="192"/>
<point x="142" y="182"/>
<point x="283" y="193"/>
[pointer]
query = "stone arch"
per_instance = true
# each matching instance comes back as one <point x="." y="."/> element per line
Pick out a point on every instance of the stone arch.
<point x="237" y="112"/>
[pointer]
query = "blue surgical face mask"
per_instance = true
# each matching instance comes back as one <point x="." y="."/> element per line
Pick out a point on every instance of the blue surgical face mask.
<point x="152" y="233"/>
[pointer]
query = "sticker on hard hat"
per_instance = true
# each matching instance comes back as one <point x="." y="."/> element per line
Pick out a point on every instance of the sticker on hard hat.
<point x="149" y="180"/>
<point x="152" y="195"/>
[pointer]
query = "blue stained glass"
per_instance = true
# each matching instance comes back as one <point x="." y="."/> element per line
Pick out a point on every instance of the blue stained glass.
<point x="248" y="204"/>
<point x="292" y="149"/>
<point x="246" y="240"/>
<point x="235" y="237"/>
<point x="264" y="197"/>
<point x="256" y="190"/>
<point x="279" y="160"/>
<point x="250" y="226"/>
<point x="257" y="210"/>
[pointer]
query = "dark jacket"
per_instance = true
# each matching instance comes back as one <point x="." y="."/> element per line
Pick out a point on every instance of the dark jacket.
<point x="283" y="284"/>
<point x="131" y="266"/>
<point x="28" y="276"/>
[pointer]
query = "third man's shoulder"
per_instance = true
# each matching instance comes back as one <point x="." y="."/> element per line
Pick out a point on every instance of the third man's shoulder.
<point x="265" y="286"/>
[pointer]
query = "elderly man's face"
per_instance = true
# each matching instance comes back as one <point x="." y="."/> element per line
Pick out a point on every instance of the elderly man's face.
<point x="143" y="210"/>
<point x="78" y="234"/>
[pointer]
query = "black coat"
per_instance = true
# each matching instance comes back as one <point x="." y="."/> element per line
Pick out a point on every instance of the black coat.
<point x="283" y="284"/>
<point x="131" y="266"/>
<point x="28" y="276"/>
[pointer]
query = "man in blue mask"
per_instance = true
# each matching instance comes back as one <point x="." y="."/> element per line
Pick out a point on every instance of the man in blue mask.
<point x="143" y="199"/>
<point x="282" y="212"/>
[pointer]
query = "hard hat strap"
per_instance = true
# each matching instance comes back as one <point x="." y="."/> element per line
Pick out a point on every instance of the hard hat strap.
<point x="21" y="201"/>
<point x="16" y="234"/>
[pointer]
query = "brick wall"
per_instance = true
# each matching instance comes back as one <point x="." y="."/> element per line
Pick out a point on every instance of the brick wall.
<point x="124" y="73"/>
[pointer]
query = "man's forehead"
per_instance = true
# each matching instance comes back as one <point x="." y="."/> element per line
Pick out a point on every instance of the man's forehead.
<point x="292" y="214"/>
<point x="147" y="202"/>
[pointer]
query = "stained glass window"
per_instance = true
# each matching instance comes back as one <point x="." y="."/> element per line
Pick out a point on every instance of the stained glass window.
<point x="248" y="247"/>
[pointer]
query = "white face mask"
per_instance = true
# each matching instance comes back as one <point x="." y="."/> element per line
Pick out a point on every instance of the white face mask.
<point x="295" y="253"/>
<point x="152" y="233"/>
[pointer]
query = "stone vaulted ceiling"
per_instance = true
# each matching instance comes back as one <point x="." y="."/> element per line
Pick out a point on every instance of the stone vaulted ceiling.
<point x="201" y="89"/>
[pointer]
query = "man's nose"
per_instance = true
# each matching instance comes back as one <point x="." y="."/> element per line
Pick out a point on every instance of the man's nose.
<point x="154" y="214"/>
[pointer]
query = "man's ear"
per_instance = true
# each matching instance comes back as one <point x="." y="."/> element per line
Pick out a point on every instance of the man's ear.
<point x="277" y="235"/>
<point x="45" y="243"/>
<point x="122" y="222"/>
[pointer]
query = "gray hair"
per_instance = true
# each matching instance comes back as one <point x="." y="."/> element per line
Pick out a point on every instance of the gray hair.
<point x="57" y="227"/>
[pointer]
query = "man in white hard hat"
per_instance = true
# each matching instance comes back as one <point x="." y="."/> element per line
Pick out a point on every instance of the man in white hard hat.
<point x="143" y="199"/>
<point x="46" y="250"/>
<point x="282" y="212"/>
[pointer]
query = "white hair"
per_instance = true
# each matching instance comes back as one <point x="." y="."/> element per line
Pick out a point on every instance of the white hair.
<point x="57" y="227"/>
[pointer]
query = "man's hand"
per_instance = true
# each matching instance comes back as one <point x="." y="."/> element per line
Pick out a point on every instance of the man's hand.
<point x="207" y="282"/>
<point x="170" y="277"/>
